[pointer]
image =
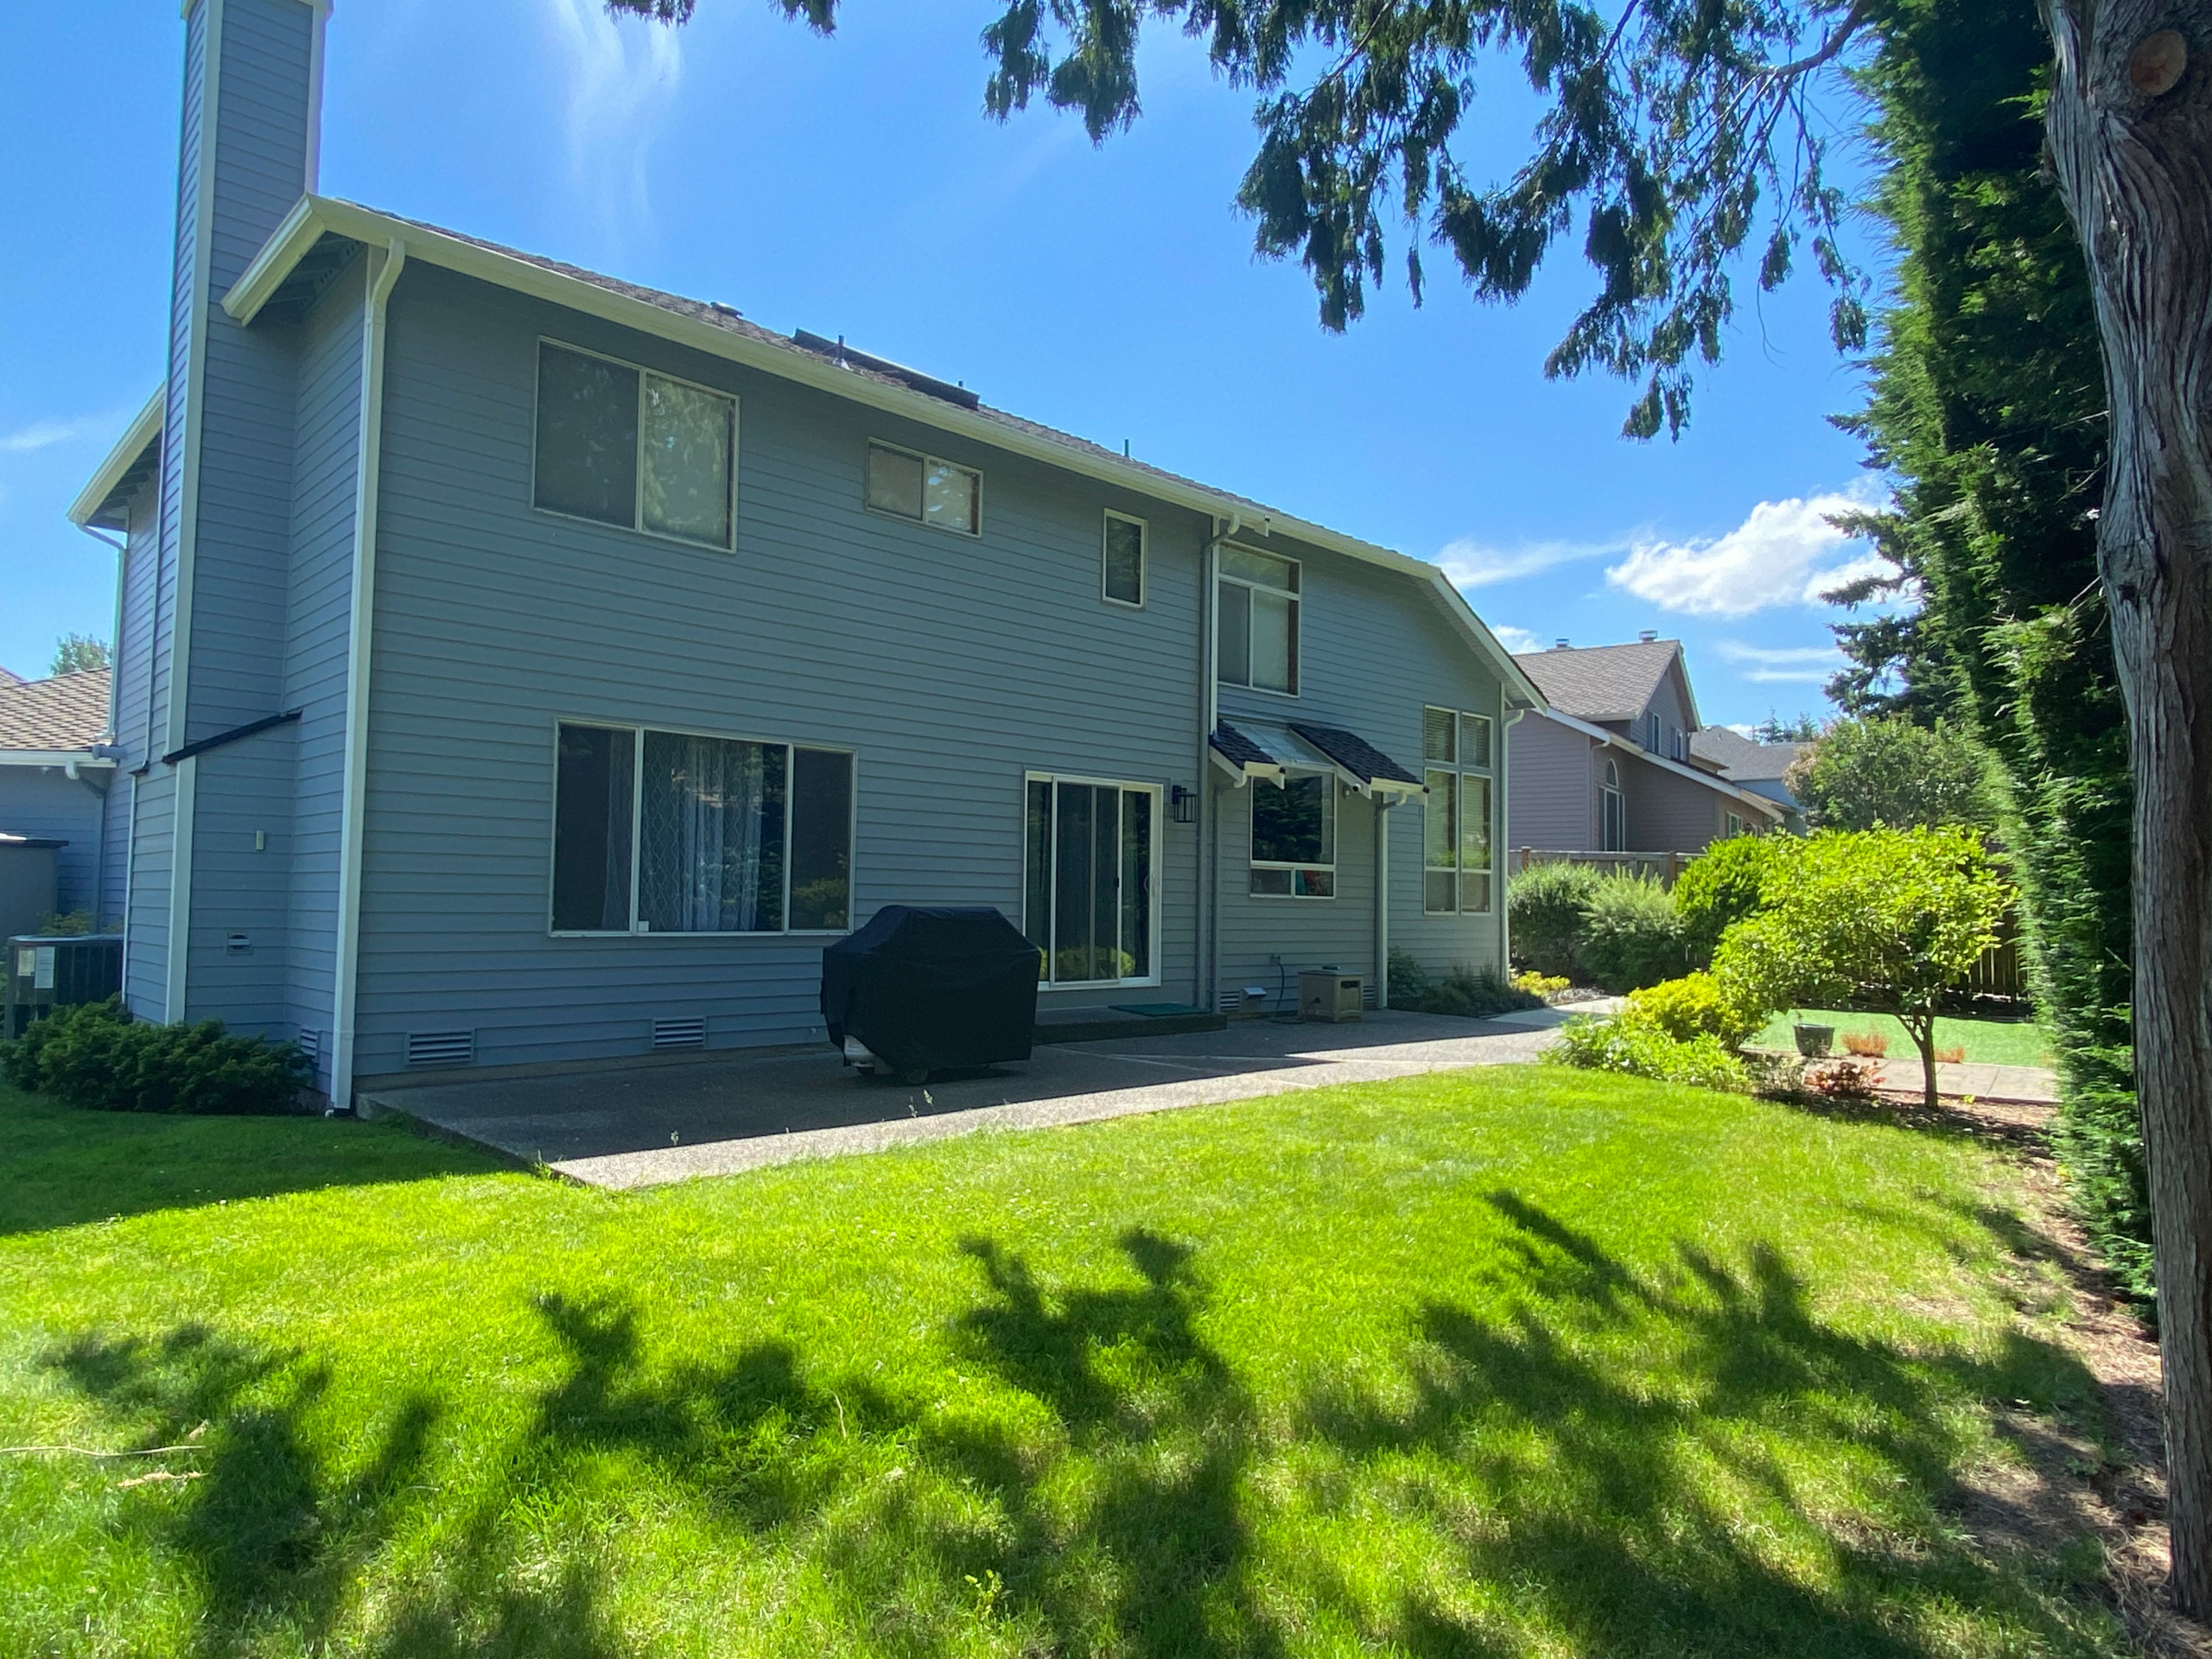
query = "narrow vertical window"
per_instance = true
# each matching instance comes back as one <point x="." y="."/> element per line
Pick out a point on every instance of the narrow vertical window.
<point x="1456" y="821"/>
<point x="1257" y="636"/>
<point x="1474" y="845"/>
<point x="1439" y="819"/>
<point x="591" y="830"/>
<point x="822" y="840"/>
<point x="1123" y="579"/>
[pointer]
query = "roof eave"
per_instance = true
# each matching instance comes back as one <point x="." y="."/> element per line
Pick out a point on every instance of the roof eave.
<point x="1614" y="740"/>
<point x="313" y="216"/>
<point x="145" y="429"/>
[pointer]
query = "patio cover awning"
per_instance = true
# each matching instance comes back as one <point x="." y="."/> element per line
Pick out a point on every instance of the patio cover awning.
<point x="1262" y="749"/>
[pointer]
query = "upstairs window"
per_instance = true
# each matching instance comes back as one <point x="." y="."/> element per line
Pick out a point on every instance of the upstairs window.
<point x="930" y="492"/>
<point x="1456" y="812"/>
<point x="1295" y="838"/>
<point x="673" y="832"/>
<point x="1257" y="636"/>
<point x="1121" y="580"/>
<point x="620" y="445"/>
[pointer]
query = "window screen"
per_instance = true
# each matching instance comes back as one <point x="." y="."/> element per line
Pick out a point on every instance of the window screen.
<point x="894" y="481"/>
<point x="689" y="436"/>
<point x="587" y="436"/>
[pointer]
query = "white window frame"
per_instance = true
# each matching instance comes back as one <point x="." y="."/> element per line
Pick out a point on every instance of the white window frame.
<point x="1144" y="559"/>
<point x="1329" y="793"/>
<point x="1297" y="629"/>
<point x="1736" y="825"/>
<point x="1052" y="880"/>
<point x="1610" y="789"/>
<point x="636" y="814"/>
<point x="1459" y="768"/>
<point x="637" y="524"/>
<point x="927" y="461"/>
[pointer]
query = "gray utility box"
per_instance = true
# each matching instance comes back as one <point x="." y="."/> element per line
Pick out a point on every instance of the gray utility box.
<point x="1332" y="997"/>
<point x="48" y="973"/>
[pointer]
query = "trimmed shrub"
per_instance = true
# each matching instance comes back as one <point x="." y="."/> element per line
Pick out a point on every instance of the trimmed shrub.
<point x="1538" y="984"/>
<point x="97" y="1056"/>
<point x="1630" y="935"/>
<point x="1470" y="993"/>
<point x="1546" y="907"/>
<point x="1697" y="1005"/>
<point x="1725" y="883"/>
<point x="1639" y="1048"/>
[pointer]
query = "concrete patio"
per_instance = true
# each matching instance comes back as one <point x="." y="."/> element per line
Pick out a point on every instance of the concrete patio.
<point x="715" y="1114"/>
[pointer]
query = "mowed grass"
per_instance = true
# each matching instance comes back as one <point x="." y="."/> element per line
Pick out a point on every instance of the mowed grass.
<point x="1518" y="1361"/>
<point x="1986" y="1042"/>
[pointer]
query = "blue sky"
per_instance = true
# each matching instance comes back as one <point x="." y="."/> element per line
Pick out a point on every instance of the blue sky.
<point x="852" y="185"/>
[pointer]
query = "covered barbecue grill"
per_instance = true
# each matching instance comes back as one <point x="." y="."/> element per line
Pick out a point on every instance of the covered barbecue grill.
<point x="925" y="989"/>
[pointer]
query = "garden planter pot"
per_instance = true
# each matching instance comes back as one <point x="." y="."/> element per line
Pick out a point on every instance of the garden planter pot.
<point x="1813" y="1041"/>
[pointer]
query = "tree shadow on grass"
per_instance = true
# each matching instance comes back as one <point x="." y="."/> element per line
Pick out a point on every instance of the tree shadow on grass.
<point x="1613" y="1463"/>
<point x="66" y="1167"/>
<point x="1705" y="1511"/>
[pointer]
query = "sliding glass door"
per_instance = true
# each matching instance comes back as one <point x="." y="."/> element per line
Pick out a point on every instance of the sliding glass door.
<point x="1088" y="880"/>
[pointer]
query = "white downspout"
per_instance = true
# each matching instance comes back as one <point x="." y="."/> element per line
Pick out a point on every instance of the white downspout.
<point x="114" y="714"/>
<point x="1383" y="805"/>
<point x="1209" y="906"/>
<point x="1504" y="831"/>
<point x="346" y="979"/>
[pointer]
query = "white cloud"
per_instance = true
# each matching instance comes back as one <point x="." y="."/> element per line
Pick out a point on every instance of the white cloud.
<point x="1783" y="553"/>
<point x="1517" y="641"/>
<point x="44" y="435"/>
<point x="622" y="77"/>
<point x="1785" y="666"/>
<point x="1471" y="564"/>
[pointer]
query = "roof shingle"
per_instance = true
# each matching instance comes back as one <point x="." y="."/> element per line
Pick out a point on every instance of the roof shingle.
<point x="67" y="712"/>
<point x="1601" y="682"/>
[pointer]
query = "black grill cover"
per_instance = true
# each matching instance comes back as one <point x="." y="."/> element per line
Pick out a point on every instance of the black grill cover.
<point x="933" y="988"/>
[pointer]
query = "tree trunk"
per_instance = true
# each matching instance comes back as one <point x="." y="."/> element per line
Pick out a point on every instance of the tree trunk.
<point x="2130" y="131"/>
<point x="1921" y="1029"/>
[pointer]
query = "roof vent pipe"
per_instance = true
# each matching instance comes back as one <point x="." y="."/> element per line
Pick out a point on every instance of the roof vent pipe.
<point x="1648" y="636"/>
<point x="1559" y="645"/>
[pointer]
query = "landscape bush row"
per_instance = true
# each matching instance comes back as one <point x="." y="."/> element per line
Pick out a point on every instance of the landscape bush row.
<point x="97" y="1057"/>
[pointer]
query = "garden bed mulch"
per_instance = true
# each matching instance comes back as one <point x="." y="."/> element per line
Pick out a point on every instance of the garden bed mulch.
<point x="2066" y="1482"/>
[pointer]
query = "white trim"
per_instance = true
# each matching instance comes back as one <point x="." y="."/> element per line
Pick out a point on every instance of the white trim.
<point x="1295" y="593"/>
<point x="316" y="215"/>
<point x="927" y="461"/>
<point x="637" y="526"/>
<point x="638" y="729"/>
<point x="179" y="940"/>
<point x="1156" y="853"/>
<point x="1330" y="778"/>
<point x="145" y="428"/>
<point x="1144" y="559"/>
<point x="376" y="296"/>
<point x="311" y="173"/>
<point x="1628" y="746"/>
<point x="71" y="761"/>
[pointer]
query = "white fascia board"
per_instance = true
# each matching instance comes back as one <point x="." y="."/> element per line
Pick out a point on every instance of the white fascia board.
<point x="143" y="430"/>
<point x="77" y="758"/>
<point x="1614" y="740"/>
<point x="314" y="216"/>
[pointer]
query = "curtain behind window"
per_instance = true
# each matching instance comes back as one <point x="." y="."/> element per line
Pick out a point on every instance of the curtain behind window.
<point x="712" y="835"/>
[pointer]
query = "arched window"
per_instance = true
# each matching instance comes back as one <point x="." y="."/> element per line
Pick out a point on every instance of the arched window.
<point x="1614" y="812"/>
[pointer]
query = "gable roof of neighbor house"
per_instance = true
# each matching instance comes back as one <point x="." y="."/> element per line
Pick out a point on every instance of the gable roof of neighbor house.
<point x="1741" y="758"/>
<point x="68" y="712"/>
<point x="1606" y="682"/>
<point x="295" y="263"/>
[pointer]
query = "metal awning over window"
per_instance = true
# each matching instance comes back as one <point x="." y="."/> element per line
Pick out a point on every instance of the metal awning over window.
<point x="1261" y="749"/>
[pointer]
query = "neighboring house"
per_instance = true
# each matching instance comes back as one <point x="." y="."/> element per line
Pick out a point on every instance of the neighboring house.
<point x="1608" y="765"/>
<point x="517" y="664"/>
<point x="1758" y="768"/>
<point x="55" y="779"/>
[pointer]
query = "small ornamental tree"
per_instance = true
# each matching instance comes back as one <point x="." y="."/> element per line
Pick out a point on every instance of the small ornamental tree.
<point x="1866" y="774"/>
<point x="1896" y="918"/>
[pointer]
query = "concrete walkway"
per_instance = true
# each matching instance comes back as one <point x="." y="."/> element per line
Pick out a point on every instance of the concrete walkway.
<point x="642" y="1125"/>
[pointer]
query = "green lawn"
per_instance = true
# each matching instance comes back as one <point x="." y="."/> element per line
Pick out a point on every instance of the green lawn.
<point x="1511" y="1362"/>
<point x="1990" y="1042"/>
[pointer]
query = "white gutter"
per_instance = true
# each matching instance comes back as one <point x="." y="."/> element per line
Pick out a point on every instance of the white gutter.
<point x="1383" y="805"/>
<point x="314" y="216"/>
<point x="347" y="980"/>
<point x="70" y="760"/>
<point x="1209" y="897"/>
<point x="1628" y="746"/>
<point x="1501" y="858"/>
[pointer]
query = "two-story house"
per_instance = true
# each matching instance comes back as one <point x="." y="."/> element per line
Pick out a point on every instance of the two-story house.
<point x="520" y="665"/>
<point x="1607" y="765"/>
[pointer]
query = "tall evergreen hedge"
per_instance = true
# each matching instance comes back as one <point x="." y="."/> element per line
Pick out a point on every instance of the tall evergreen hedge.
<point x="1987" y="410"/>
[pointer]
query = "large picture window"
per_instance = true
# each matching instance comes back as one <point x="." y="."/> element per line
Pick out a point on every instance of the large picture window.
<point x="1295" y="838"/>
<point x="1256" y="636"/>
<point x="1087" y="889"/>
<point x="675" y="832"/>
<point x="1456" y="749"/>
<point x="623" y="446"/>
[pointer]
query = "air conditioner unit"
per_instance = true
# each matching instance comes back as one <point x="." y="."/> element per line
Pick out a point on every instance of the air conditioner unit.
<point x="1332" y="997"/>
<point x="45" y="972"/>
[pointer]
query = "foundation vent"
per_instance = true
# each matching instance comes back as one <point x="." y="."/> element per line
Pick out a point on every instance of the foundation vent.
<point x="440" y="1047"/>
<point x="680" y="1033"/>
<point x="310" y="1043"/>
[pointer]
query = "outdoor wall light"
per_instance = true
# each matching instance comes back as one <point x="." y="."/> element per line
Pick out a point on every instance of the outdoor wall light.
<point x="1182" y="804"/>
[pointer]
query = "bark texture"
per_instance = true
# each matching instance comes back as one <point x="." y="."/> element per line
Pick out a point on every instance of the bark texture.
<point x="2130" y="127"/>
